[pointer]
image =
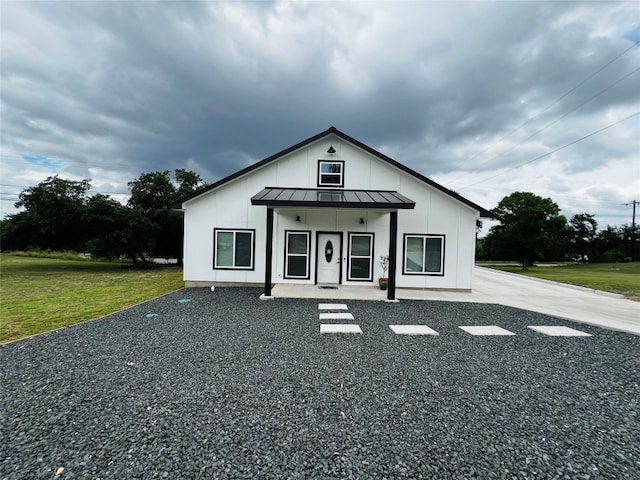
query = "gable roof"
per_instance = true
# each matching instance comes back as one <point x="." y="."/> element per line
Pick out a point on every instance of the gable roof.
<point x="333" y="131"/>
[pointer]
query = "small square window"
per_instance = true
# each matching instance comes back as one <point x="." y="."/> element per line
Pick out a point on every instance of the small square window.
<point x="330" y="173"/>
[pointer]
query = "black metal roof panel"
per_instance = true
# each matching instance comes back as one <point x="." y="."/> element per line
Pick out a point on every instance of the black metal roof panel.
<point x="322" y="197"/>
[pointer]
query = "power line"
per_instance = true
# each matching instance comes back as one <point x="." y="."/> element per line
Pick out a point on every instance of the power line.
<point x="571" y="111"/>
<point x="555" y="150"/>
<point x="532" y="117"/>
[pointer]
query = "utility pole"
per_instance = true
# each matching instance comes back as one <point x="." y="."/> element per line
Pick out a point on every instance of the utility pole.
<point x="633" y="228"/>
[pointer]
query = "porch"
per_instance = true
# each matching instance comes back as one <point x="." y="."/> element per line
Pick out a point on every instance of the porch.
<point x="351" y="292"/>
<point x="337" y="292"/>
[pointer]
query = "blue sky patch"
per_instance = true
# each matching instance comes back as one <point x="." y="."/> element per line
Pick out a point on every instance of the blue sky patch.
<point x="633" y="35"/>
<point x="42" y="161"/>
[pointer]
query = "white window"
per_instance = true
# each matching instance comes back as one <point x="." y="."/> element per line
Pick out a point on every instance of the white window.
<point x="233" y="249"/>
<point x="360" y="257"/>
<point x="296" y="258"/>
<point x="423" y="254"/>
<point x="330" y="173"/>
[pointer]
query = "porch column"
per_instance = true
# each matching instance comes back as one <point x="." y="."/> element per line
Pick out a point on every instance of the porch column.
<point x="268" y="253"/>
<point x="393" y="244"/>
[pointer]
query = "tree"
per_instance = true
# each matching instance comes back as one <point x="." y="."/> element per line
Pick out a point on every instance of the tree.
<point x="188" y="182"/>
<point x="59" y="215"/>
<point x="151" y="195"/>
<point x="530" y="227"/>
<point x="583" y="229"/>
<point x="16" y="232"/>
<point x="114" y="230"/>
<point x="52" y="214"/>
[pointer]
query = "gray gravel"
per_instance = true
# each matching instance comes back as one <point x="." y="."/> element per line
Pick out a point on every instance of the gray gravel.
<point x="227" y="386"/>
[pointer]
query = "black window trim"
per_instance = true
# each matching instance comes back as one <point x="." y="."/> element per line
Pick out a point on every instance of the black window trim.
<point x="331" y="185"/>
<point x="252" y="231"/>
<point x="424" y="236"/>
<point x="286" y="254"/>
<point x="349" y="256"/>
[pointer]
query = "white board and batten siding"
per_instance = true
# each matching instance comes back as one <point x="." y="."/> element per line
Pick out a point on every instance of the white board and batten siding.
<point x="229" y="206"/>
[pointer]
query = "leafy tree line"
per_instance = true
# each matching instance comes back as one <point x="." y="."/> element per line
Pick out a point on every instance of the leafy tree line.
<point x="532" y="229"/>
<point x="60" y="215"/>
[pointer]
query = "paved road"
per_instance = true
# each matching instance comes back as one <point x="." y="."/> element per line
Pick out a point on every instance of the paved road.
<point x="573" y="303"/>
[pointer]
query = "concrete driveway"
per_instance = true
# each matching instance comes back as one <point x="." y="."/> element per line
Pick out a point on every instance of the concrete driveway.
<point x="573" y="303"/>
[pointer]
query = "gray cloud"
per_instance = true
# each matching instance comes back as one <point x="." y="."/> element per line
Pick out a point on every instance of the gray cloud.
<point x="442" y="87"/>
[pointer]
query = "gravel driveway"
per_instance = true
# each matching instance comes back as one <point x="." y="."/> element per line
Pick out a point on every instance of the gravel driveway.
<point x="227" y="386"/>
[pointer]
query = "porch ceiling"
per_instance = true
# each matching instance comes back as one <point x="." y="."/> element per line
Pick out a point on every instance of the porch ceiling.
<point x="322" y="197"/>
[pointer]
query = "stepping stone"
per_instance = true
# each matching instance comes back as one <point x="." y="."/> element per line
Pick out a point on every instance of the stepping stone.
<point x="412" y="330"/>
<point x="556" y="331"/>
<point x="486" y="330"/>
<point x="339" y="328"/>
<point x="332" y="306"/>
<point x="336" y="316"/>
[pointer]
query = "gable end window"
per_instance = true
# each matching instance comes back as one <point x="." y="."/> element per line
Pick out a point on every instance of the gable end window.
<point x="423" y="254"/>
<point x="330" y="173"/>
<point x="233" y="249"/>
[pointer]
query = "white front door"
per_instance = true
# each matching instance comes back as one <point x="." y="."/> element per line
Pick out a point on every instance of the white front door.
<point x="328" y="253"/>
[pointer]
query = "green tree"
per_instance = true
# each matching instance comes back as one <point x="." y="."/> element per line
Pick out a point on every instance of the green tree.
<point x="151" y="194"/>
<point x="530" y="228"/>
<point x="17" y="231"/>
<point x="114" y="230"/>
<point x="583" y="229"/>
<point x="52" y="214"/>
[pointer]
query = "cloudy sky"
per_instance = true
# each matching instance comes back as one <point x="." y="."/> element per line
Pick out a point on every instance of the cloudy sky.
<point x="486" y="98"/>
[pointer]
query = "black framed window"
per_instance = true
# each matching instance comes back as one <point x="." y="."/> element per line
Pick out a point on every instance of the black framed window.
<point x="297" y="253"/>
<point x="233" y="249"/>
<point x="330" y="173"/>
<point x="360" y="257"/>
<point x="423" y="254"/>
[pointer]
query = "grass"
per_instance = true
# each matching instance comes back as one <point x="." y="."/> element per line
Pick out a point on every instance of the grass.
<point x="41" y="294"/>
<point x="622" y="278"/>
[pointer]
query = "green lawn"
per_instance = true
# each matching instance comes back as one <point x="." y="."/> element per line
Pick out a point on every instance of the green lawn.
<point x="41" y="294"/>
<point x="623" y="278"/>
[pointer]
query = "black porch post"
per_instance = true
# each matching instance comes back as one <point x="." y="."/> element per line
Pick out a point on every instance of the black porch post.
<point x="268" y="253"/>
<point x="393" y="244"/>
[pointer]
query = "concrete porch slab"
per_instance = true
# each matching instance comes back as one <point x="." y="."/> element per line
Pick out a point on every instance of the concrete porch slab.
<point x="343" y="292"/>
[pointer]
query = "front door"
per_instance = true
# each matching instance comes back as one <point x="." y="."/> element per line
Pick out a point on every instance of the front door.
<point x="328" y="253"/>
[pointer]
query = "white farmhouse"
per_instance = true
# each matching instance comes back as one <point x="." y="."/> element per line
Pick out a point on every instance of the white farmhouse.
<point x="323" y="212"/>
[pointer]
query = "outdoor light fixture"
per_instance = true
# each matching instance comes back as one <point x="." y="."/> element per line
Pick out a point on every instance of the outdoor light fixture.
<point x="331" y="149"/>
<point x="298" y="218"/>
<point x="362" y="220"/>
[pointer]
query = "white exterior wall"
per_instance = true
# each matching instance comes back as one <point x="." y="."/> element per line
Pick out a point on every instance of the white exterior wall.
<point x="229" y="206"/>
